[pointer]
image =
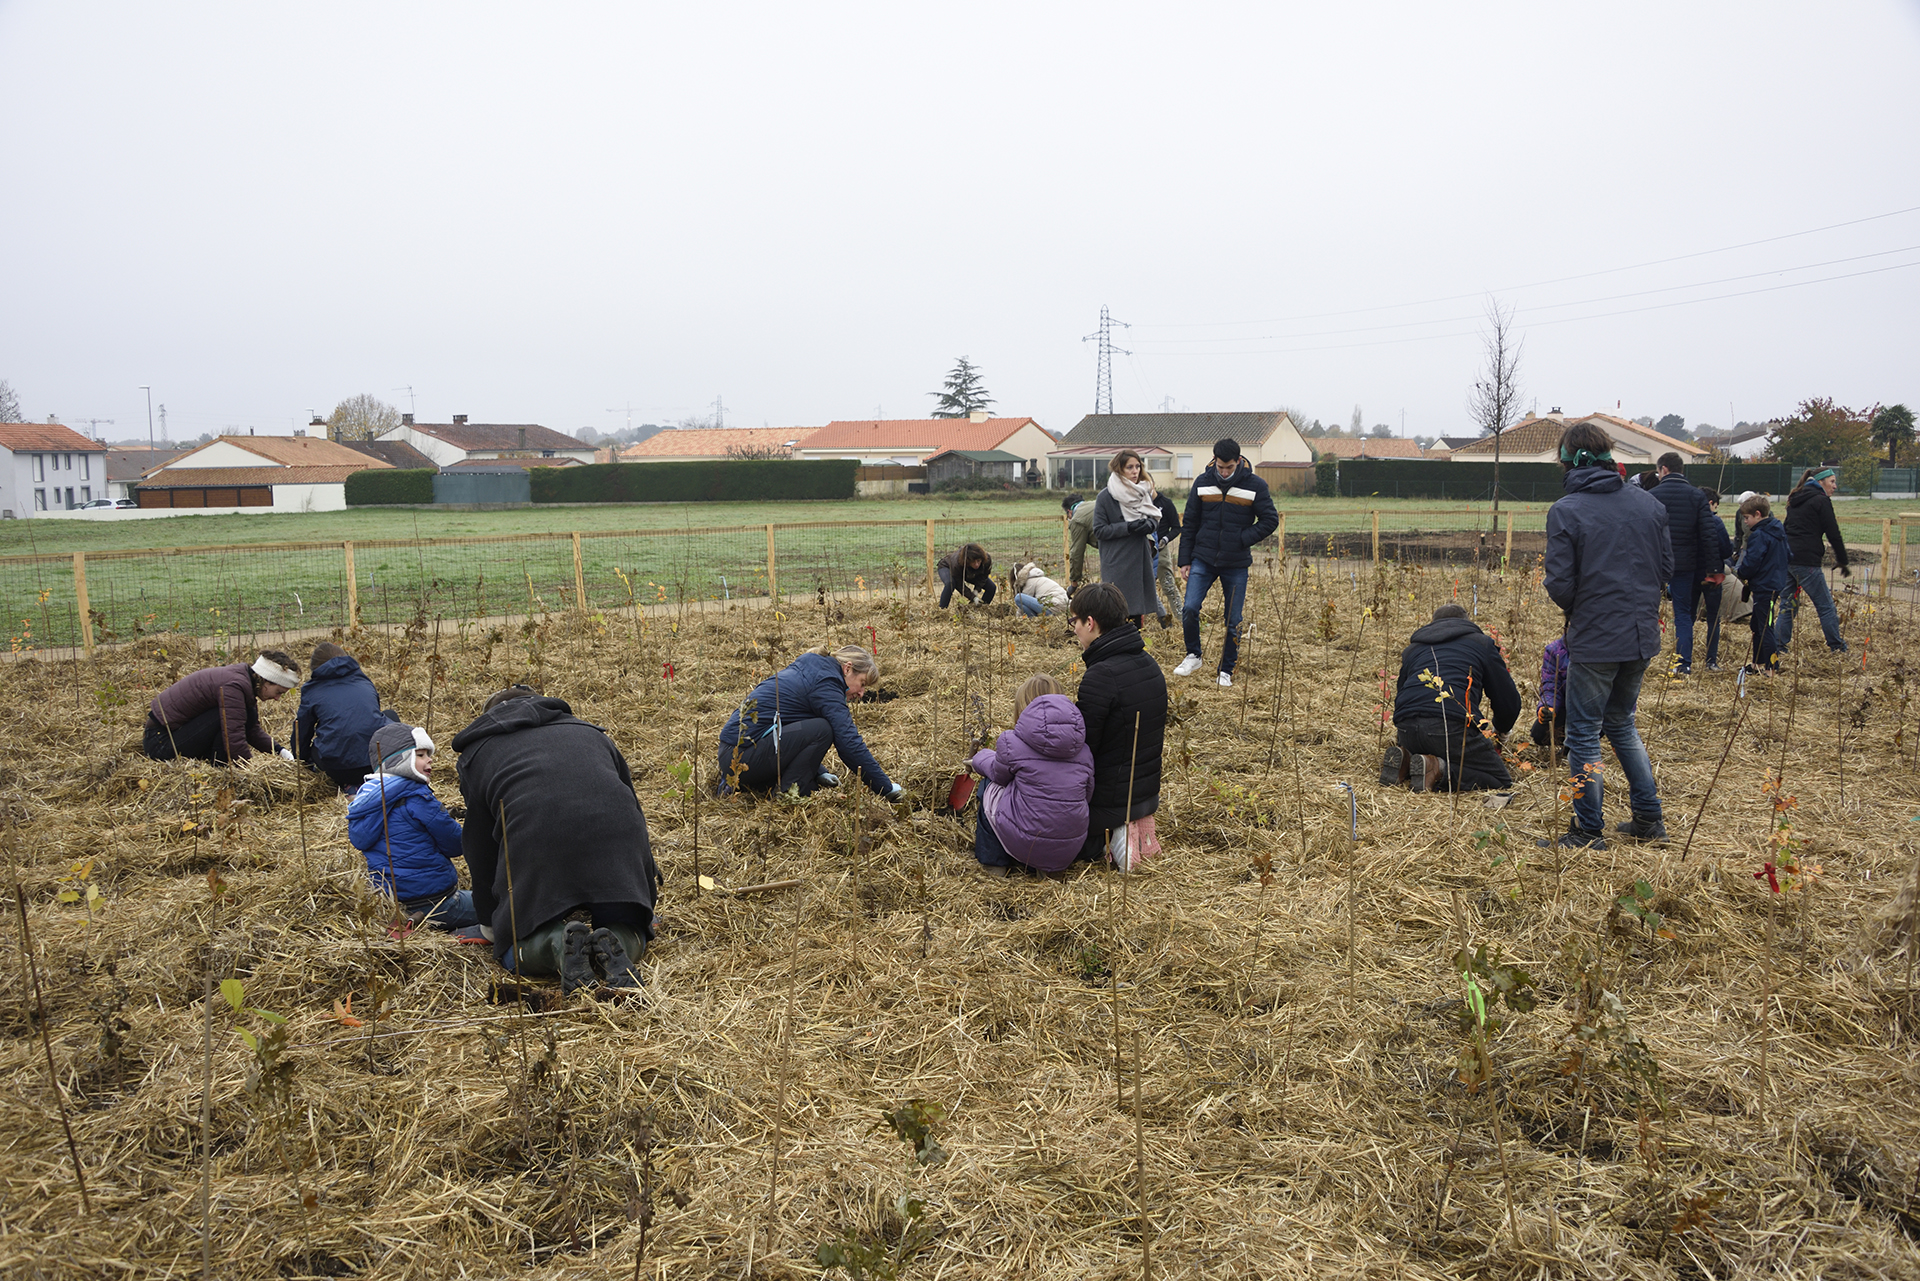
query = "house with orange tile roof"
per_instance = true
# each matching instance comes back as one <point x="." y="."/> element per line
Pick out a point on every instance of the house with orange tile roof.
<point x="1536" y="439"/>
<point x="1347" y="448"/>
<point x="716" y="444"/>
<point x="911" y="441"/>
<point x="461" y="441"/>
<point x="257" y="474"/>
<point x="47" y="469"/>
<point x="1177" y="447"/>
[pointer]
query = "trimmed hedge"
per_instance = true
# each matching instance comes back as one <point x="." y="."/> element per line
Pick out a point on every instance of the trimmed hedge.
<point x="1527" y="482"/>
<point x="378" y="485"/>
<point x="1326" y="478"/>
<point x="744" y="480"/>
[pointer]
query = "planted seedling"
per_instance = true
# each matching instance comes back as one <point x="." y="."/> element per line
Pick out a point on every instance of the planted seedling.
<point x="1600" y="1025"/>
<point x="878" y="1259"/>
<point x="1486" y="983"/>
<point x="270" y="1076"/>
<point x="1635" y="904"/>
<point x="75" y="887"/>
<point x="1493" y="843"/>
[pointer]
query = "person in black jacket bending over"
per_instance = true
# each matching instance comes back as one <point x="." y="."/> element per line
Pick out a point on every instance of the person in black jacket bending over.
<point x="1607" y="555"/>
<point x="968" y="571"/>
<point x="1123" y="700"/>
<point x="1447" y="675"/>
<point x="1228" y="511"/>
<point x="1809" y="519"/>
<point x="1696" y="534"/>
<point x="552" y="817"/>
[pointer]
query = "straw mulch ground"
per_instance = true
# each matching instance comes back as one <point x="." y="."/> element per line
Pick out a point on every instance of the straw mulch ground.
<point x="1288" y="1107"/>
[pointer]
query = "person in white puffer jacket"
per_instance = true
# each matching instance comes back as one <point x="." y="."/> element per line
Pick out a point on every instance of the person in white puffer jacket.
<point x="1034" y="592"/>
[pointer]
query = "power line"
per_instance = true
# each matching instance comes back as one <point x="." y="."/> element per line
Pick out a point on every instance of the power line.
<point x="1558" y="280"/>
<point x="1103" y="379"/>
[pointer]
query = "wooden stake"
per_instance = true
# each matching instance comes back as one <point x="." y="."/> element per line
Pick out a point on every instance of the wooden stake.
<point x="353" y="589"/>
<point x="579" y="577"/>
<point x="1140" y="1167"/>
<point x="80" y="595"/>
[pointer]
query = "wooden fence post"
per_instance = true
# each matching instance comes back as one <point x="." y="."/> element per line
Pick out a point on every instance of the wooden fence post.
<point x="579" y="576"/>
<point x="80" y="597"/>
<point x="1279" y="540"/>
<point x="1886" y="556"/>
<point x="1375" y="513"/>
<point x="353" y="590"/>
<point x="931" y="580"/>
<point x="773" y="591"/>
<point x="1509" y="558"/>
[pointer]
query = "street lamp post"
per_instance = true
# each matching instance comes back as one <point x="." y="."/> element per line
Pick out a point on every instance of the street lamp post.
<point x="149" y="392"/>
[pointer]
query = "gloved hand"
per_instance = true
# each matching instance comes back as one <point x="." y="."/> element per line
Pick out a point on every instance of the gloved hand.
<point x="285" y="754"/>
<point x="826" y="779"/>
<point x="1846" y="572"/>
<point x="897" y="792"/>
<point x="1139" y="525"/>
<point x="1746" y="592"/>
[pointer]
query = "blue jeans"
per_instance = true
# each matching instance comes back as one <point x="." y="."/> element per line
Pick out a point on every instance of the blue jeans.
<point x="1813" y="581"/>
<point x="987" y="847"/>
<point x="452" y="911"/>
<point x="1681" y="591"/>
<point x="1601" y="698"/>
<point x="1233" y="584"/>
<point x="1028" y="604"/>
<point x="1706" y="608"/>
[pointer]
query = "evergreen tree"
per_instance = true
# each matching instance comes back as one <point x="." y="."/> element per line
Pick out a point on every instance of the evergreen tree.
<point x="962" y="393"/>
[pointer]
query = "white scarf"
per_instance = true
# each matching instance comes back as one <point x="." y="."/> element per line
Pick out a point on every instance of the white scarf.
<point x="1136" y="501"/>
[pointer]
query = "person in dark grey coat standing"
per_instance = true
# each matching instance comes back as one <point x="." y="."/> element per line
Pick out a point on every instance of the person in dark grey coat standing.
<point x="1608" y="553"/>
<point x="1696" y="534"/>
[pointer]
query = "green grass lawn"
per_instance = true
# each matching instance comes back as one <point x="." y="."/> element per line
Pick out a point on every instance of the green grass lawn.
<point x="523" y="561"/>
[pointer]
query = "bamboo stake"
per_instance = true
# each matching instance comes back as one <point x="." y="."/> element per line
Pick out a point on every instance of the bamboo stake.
<point x="39" y="1015"/>
<point x="1140" y="1167"/>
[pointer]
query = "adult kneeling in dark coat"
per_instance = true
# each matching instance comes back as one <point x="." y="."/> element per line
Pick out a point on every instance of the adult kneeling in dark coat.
<point x="551" y="813"/>
<point x="1123" y="700"/>
<point x="1444" y="674"/>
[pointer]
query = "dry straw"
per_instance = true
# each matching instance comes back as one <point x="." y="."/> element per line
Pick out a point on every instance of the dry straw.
<point x="1311" y="1134"/>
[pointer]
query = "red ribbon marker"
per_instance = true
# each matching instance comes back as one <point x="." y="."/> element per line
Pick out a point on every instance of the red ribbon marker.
<point x="1766" y="874"/>
<point x="873" y="638"/>
<point x="667" y="670"/>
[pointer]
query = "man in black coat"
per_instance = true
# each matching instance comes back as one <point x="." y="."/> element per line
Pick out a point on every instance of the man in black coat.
<point x="1123" y="700"/>
<point x="1809" y="519"/>
<point x="1608" y="553"/>
<point x="1229" y="509"/>
<point x="552" y="817"/>
<point x="1449" y="676"/>
<point x="1696" y="534"/>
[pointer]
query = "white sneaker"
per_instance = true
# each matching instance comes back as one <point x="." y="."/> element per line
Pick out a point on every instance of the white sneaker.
<point x="1188" y="665"/>
<point x="1226" y="680"/>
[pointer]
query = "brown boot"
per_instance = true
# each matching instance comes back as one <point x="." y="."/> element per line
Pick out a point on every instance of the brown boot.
<point x="1433" y="773"/>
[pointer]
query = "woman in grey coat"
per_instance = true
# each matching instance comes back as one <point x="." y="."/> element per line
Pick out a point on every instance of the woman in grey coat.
<point x="1124" y="520"/>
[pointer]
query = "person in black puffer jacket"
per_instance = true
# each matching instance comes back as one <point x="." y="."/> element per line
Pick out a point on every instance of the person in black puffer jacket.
<point x="574" y="843"/>
<point x="1447" y="675"/>
<point x="1123" y="687"/>
<point x="1696" y="534"/>
<point x="1810" y="519"/>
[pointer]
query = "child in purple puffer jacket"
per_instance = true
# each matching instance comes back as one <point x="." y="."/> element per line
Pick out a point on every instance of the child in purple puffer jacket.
<point x="1039" y="775"/>
<point x="1550" y="721"/>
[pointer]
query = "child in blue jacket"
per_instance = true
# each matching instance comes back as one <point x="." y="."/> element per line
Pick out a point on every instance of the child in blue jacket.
<point x="407" y="835"/>
<point x="1763" y="568"/>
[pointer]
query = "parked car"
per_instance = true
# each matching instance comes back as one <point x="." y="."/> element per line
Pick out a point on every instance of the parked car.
<point x="125" y="502"/>
<point x="98" y="502"/>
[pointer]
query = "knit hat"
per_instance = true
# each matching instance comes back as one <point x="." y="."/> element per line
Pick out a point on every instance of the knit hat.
<point x="392" y="747"/>
<point x="1449" y="610"/>
<point x="268" y="670"/>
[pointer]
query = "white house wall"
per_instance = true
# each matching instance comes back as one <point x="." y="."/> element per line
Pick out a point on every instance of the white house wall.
<point x="442" y="454"/>
<point x="88" y="473"/>
<point x="308" y="498"/>
<point x="221" y="453"/>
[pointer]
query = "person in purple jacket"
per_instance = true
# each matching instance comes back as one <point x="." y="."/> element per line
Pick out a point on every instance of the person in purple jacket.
<point x="1550" y="721"/>
<point x="1034" y="811"/>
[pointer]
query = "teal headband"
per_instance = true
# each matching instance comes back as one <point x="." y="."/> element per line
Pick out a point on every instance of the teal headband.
<point x="1821" y="475"/>
<point x="1586" y="458"/>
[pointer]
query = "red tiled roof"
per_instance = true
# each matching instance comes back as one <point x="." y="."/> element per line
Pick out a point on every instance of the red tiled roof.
<point x="288" y="451"/>
<point x="227" y="477"/>
<point x="23" y="436"/>
<point x="1369" y="447"/>
<point x="715" y="441"/>
<point x="1536" y="435"/>
<point x="914" y="433"/>
<point x="496" y="464"/>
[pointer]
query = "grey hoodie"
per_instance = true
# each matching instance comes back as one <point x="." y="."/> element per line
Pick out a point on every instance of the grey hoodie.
<point x="1608" y="556"/>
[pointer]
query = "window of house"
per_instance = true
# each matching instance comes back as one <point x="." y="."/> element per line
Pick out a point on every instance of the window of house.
<point x="1159" y="462"/>
<point x="1185" y="466"/>
<point x="66" y="462"/>
<point x="39" y="500"/>
<point x="86" y="493"/>
<point x="86" y="462"/>
<point x="69" y="497"/>
<point x="40" y="467"/>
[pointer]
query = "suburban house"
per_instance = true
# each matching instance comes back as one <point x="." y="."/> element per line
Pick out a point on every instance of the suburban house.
<point x="964" y="464"/>
<point x="461" y="441"/>
<point x="1177" y="447"/>
<point x="715" y="444"/>
<point x="394" y="453"/>
<point x="912" y="441"/>
<point x="125" y="467"/>
<point x="258" y="473"/>
<point x="1746" y="444"/>
<point x="1536" y="439"/>
<point x="47" y="468"/>
<point x="1349" y="448"/>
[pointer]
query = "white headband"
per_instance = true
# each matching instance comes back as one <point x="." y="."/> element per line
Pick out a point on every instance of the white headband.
<point x="268" y="670"/>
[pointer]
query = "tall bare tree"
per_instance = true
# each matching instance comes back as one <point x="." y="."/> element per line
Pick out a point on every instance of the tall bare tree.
<point x="361" y="417"/>
<point x="9" y="403"/>
<point x="1495" y="401"/>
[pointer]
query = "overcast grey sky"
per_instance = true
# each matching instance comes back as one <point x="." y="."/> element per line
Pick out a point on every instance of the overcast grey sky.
<point x="534" y="213"/>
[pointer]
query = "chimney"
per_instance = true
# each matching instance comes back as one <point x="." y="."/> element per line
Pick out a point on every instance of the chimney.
<point x="459" y="420"/>
<point x="976" y="415"/>
<point x="406" y="420"/>
<point x="523" y="438"/>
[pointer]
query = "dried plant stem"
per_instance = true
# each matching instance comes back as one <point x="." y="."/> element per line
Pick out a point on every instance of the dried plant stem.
<point x="1353" y="851"/>
<point x="786" y="1062"/>
<point x="300" y="803"/>
<point x="206" y="1131"/>
<point x="1733" y="732"/>
<point x="1140" y="1167"/>
<point x="1766" y="999"/>
<point x="39" y="1015"/>
<point x="1500" y="1146"/>
<point x="1840" y="729"/>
